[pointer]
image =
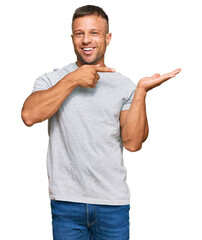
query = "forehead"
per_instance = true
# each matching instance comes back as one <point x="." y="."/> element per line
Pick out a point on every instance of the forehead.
<point x="89" y="22"/>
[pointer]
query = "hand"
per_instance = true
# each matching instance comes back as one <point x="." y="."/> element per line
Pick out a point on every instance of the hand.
<point x="87" y="75"/>
<point x="147" y="83"/>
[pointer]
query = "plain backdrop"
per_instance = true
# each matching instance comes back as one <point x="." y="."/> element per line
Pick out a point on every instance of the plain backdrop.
<point x="148" y="37"/>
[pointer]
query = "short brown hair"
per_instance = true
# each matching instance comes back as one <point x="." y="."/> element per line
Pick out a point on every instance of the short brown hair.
<point x="90" y="10"/>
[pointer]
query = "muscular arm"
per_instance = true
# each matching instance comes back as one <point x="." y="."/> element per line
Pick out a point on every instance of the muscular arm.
<point x="134" y="125"/>
<point x="41" y="105"/>
<point x="134" y="130"/>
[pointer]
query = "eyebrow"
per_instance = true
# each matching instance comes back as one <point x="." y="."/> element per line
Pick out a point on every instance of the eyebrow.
<point x="77" y="30"/>
<point x="93" y="29"/>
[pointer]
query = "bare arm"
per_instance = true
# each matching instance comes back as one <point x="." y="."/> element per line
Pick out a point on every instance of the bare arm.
<point x="135" y="127"/>
<point x="42" y="104"/>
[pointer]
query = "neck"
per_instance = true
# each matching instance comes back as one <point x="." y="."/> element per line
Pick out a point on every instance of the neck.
<point x="80" y="63"/>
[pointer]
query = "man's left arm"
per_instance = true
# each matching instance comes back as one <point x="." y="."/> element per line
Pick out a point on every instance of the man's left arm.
<point x="133" y="122"/>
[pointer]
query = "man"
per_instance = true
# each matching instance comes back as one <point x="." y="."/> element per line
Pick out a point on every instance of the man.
<point x="92" y="111"/>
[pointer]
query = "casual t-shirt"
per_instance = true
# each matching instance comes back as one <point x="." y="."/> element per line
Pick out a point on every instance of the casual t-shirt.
<point x="85" y="151"/>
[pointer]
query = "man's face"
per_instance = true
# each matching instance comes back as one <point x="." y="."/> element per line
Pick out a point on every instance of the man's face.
<point x="90" y="39"/>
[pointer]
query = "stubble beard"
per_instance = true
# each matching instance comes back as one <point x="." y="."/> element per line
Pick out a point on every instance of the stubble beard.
<point x="79" y="56"/>
<point x="92" y="62"/>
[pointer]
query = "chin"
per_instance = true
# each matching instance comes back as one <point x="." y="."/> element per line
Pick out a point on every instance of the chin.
<point x="90" y="62"/>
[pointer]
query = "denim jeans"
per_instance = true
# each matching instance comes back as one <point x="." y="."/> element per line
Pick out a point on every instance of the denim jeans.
<point x="82" y="221"/>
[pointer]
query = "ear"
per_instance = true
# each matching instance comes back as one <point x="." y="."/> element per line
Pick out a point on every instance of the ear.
<point x="108" y="38"/>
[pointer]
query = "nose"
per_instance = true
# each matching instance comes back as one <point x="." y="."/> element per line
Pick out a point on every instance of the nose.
<point x="86" y="38"/>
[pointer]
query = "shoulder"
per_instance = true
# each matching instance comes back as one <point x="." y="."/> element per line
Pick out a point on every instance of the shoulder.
<point x="49" y="79"/>
<point x="58" y="73"/>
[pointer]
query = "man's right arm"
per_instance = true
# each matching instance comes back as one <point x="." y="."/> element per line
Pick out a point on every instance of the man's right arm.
<point x="42" y="104"/>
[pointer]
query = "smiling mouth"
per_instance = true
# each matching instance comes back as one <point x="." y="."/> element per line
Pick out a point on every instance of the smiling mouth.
<point x="87" y="51"/>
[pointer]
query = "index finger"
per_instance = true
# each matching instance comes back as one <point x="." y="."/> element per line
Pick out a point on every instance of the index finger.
<point x="173" y="73"/>
<point x="104" y="69"/>
<point x="176" y="71"/>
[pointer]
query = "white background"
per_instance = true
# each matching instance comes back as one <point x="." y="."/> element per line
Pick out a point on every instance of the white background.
<point x="147" y="37"/>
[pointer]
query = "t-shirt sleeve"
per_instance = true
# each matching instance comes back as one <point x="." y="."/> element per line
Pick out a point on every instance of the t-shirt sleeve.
<point x="42" y="83"/>
<point x="129" y="96"/>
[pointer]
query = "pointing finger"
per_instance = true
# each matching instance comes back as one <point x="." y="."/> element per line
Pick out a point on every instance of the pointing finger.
<point x="104" y="69"/>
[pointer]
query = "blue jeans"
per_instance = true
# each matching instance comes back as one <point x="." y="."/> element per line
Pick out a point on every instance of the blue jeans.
<point x="82" y="221"/>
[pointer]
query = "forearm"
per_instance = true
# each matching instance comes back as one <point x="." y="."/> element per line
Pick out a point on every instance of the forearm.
<point x="42" y="104"/>
<point x="135" y="128"/>
<point x="146" y="132"/>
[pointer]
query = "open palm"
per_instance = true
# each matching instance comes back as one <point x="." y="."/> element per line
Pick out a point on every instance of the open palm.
<point x="147" y="83"/>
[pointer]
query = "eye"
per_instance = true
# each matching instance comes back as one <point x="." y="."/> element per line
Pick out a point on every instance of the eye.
<point x="78" y="34"/>
<point x="95" y="33"/>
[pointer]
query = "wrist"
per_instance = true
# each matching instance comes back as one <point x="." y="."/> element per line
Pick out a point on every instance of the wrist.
<point x="71" y="80"/>
<point x="140" y="92"/>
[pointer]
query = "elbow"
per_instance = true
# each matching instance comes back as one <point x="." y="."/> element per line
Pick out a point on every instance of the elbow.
<point x="26" y="119"/>
<point x="136" y="148"/>
<point x="28" y="123"/>
<point x="133" y="148"/>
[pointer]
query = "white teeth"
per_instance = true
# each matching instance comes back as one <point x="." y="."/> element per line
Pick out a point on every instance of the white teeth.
<point x="87" y="49"/>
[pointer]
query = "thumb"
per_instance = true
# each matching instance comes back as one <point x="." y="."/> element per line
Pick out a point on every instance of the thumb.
<point x="156" y="75"/>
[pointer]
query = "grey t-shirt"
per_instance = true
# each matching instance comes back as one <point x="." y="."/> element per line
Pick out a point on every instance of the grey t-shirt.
<point x="85" y="151"/>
